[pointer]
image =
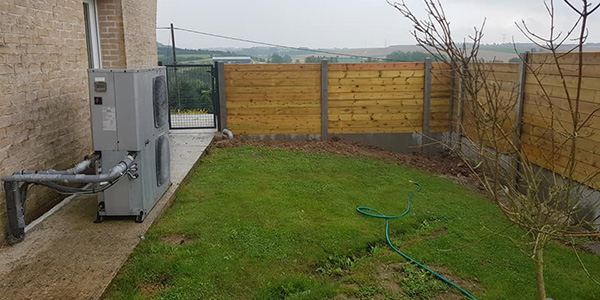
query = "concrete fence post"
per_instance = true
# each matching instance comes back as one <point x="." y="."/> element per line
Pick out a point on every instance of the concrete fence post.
<point x="324" y="100"/>
<point x="459" y="108"/>
<point x="426" y="100"/>
<point x="515" y="161"/>
<point x="427" y="96"/>
<point x="222" y="95"/>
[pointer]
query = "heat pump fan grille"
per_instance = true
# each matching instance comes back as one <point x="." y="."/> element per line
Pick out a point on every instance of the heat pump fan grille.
<point x="162" y="159"/>
<point x="160" y="100"/>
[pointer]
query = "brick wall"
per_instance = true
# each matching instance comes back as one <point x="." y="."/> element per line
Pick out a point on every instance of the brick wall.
<point x="112" y="35"/>
<point x="44" y="110"/>
<point x="128" y="33"/>
<point x="139" y="19"/>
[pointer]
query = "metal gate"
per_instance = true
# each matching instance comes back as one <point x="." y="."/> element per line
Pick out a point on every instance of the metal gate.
<point x="192" y="97"/>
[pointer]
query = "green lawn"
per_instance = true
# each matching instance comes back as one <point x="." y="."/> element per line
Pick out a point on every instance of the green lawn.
<point x="274" y="224"/>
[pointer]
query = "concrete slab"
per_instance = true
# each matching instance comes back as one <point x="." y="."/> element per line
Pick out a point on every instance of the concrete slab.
<point x="67" y="256"/>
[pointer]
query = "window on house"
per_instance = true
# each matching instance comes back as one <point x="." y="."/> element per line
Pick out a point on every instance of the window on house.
<point x="91" y="34"/>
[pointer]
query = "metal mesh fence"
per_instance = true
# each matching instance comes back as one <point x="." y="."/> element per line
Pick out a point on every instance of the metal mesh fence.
<point x="191" y="96"/>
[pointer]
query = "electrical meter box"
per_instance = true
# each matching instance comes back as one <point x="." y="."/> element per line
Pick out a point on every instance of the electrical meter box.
<point x="129" y="113"/>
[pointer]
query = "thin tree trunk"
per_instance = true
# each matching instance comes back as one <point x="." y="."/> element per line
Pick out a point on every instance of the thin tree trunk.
<point x="539" y="273"/>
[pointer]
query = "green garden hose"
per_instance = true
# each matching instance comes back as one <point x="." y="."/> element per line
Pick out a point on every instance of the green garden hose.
<point x="371" y="212"/>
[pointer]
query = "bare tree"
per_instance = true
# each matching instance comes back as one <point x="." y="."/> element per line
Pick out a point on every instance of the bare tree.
<point x="541" y="192"/>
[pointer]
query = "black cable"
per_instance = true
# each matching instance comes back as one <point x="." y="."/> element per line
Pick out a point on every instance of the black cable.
<point x="79" y="191"/>
<point x="273" y="45"/>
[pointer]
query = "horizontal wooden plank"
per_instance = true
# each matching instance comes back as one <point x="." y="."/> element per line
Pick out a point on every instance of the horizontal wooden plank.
<point x="502" y="77"/>
<point x="375" y="89"/>
<point x="385" y="95"/>
<point x="376" y="66"/>
<point x="563" y="149"/>
<point x="384" y="109"/>
<point x="569" y="81"/>
<point x="551" y="137"/>
<point x="566" y="70"/>
<point x="272" y="104"/>
<point x="376" y="81"/>
<point x="272" y="75"/>
<point x="385" y="116"/>
<point x="592" y="96"/>
<point x="273" y="90"/>
<point x="273" y="119"/>
<point x="273" y="97"/>
<point x="387" y="129"/>
<point x="560" y="104"/>
<point x="500" y="67"/>
<point x="582" y="172"/>
<point x="374" y="74"/>
<point x="563" y="116"/>
<point x="561" y="127"/>
<point x="268" y="111"/>
<point x="245" y="130"/>
<point x="375" y="103"/>
<point x="229" y="83"/>
<point x="588" y="58"/>
<point x="271" y="67"/>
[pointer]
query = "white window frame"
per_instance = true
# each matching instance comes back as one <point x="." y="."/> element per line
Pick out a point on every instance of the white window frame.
<point x="94" y="34"/>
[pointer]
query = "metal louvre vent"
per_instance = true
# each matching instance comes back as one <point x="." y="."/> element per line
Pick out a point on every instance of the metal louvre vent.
<point x="160" y="101"/>
<point x="162" y="160"/>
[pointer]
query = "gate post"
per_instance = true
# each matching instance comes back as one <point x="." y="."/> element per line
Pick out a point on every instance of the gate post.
<point x="222" y="96"/>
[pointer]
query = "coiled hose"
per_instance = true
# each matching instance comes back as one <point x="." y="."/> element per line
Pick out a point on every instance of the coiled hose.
<point x="371" y="212"/>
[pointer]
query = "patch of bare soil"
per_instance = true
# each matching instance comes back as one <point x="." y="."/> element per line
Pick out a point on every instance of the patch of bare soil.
<point x="470" y="285"/>
<point x="150" y="289"/>
<point x="175" y="239"/>
<point x="435" y="233"/>
<point x="443" y="164"/>
<point x="388" y="276"/>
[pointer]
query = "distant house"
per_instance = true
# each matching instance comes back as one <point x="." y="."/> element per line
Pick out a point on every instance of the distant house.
<point x="46" y="48"/>
<point x="233" y="59"/>
<point x="349" y="60"/>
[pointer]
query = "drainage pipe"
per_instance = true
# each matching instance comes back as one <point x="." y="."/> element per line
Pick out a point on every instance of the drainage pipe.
<point x="228" y="133"/>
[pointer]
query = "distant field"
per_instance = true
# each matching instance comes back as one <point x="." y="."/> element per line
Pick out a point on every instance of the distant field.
<point x="188" y="58"/>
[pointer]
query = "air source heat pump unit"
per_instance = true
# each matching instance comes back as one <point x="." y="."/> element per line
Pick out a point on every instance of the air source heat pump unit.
<point x="129" y="113"/>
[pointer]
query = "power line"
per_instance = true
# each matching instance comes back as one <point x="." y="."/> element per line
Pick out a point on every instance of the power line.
<point x="272" y="44"/>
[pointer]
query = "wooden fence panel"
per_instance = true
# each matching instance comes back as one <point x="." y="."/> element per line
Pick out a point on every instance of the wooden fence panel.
<point x="273" y="98"/>
<point x="502" y="80"/>
<point x="376" y="97"/>
<point x="548" y="114"/>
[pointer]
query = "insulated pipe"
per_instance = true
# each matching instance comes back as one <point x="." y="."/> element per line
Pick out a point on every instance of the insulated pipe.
<point x="40" y="177"/>
<point x="16" y="193"/>
<point x="78" y="168"/>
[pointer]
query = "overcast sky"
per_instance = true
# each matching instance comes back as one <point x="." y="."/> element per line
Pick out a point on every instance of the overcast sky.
<point x="346" y="23"/>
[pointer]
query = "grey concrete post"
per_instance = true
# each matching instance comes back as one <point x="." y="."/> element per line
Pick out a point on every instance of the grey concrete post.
<point x="520" y="98"/>
<point x="222" y="95"/>
<point x="427" y="97"/>
<point x="459" y="109"/>
<point x="515" y="161"/>
<point x="324" y="100"/>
